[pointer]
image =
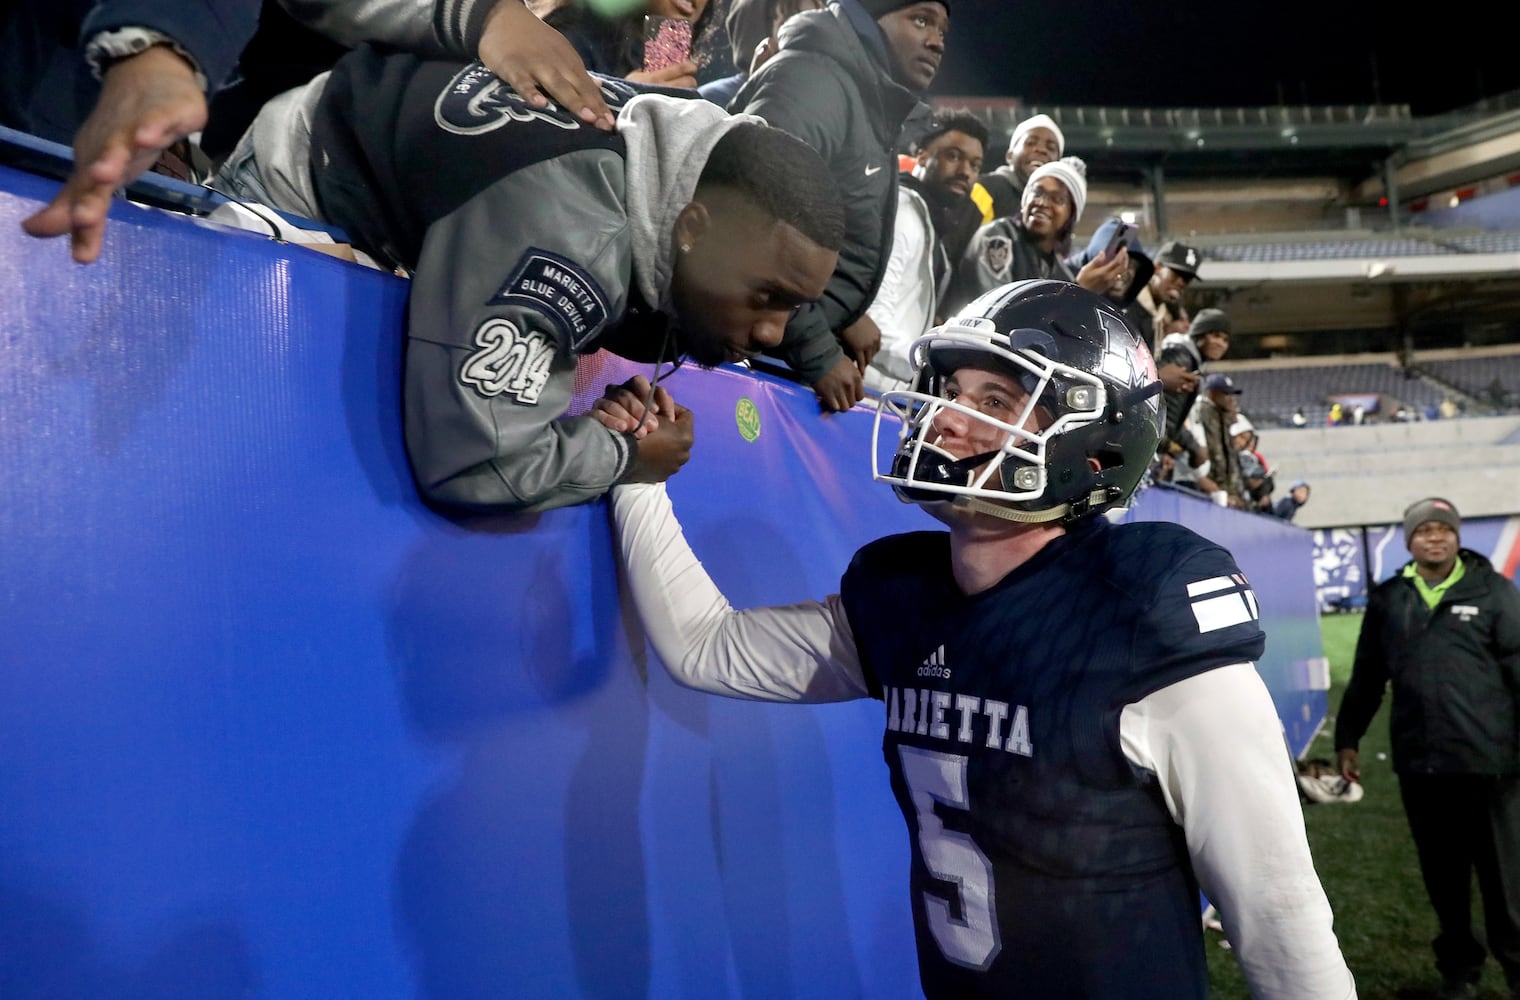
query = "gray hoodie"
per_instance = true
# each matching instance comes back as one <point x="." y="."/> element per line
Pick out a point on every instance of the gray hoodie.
<point x="531" y="239"/>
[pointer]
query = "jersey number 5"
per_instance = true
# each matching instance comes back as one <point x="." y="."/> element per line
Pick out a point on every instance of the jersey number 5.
<point x="970" y="939"/>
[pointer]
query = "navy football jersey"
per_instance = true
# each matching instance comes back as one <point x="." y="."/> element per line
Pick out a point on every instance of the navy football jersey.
<point x="1045" y="864"/>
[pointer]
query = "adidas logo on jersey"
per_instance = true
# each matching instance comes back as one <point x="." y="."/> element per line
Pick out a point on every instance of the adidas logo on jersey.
<point x="1222" y="601"/>
<point x="934" y="666"/>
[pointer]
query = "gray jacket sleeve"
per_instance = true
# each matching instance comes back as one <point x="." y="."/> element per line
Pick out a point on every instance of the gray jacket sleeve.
<point x="429" y="28"/>
<point x="405" y="24"/>
<point x="987" y="264"/>
<point x="508" y="287"/>
<point x="458" y="24"/>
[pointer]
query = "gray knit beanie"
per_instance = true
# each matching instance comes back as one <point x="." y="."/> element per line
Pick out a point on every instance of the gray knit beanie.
<point x="1209" y="321"/>
<point x="1430" y="509"/>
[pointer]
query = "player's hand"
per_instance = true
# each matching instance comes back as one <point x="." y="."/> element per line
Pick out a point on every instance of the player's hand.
<point x="1350" y="764"/>
<point x="681" y="74"/>
<point x="1098" y="274"/>
<point x="862" y="339"/>
<point x="1176" y="378"/>
<point x="536" y="61"/>
<point x="148" y="102"/>
<point x="841" y="387"/>
<point x="622" y="409"/>
<point x="663" y="451"/>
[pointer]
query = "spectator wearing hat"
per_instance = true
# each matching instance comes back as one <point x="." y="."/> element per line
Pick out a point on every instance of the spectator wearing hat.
<point x="1218" y="410"/>
<point x="1176" y="268"/>
<point x="1255" y="473"/>
<point x="1127" y="287"/>
<point x="1180" y="363"/>
<point x="1035" y="244"/>
<point x="1298" y="495"/>
<point x="1036" y="141"/>
<point x="844" y="82"/>
<point x="1445" y="631"/>
<point x="1128" y="283"/>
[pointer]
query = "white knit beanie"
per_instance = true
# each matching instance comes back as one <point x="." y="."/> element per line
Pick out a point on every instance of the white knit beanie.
<point x="1037" y="121"/>
<point x="1069" y="170"/>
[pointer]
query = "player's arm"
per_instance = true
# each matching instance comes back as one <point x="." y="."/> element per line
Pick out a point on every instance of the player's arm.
<point x="1215" y="743"/>
<point x="802" y="652"/>
<point x="506" y="287"/>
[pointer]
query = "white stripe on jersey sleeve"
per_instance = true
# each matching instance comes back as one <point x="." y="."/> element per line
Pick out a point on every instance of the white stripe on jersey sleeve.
<point x="1213" y="583"/>
<point x="801" y="652"/>
<point x="1221" y="612"/>
<point x="1215" y="743"/>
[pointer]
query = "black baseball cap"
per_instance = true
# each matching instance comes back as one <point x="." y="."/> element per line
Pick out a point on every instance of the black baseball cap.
<point x="1180" y="257"/>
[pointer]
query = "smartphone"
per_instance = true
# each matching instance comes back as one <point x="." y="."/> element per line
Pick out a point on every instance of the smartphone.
<point x="1117" y="240"/>
<point x="667" y="42"/>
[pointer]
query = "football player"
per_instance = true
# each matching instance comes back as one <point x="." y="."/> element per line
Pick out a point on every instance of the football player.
<point x="1075" y="731"/>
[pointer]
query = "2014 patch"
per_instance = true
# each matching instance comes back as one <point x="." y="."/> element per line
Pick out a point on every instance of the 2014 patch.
<point x="559" y="288"/>
<point x="509" y="362"/>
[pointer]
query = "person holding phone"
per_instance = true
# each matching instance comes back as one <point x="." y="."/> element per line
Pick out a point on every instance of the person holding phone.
<point x="1035" y="244"/>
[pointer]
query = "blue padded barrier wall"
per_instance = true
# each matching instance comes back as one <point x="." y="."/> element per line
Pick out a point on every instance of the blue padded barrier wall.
<point x="271" y="728"/>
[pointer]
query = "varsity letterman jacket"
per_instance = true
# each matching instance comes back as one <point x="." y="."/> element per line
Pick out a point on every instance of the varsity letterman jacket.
<point x="531" y="238"/>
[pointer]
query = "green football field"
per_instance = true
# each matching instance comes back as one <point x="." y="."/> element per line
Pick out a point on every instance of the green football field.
<point x="1367" y="864"/>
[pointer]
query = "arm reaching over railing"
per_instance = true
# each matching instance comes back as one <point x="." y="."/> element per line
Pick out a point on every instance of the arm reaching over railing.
<point x="801" y="652"/>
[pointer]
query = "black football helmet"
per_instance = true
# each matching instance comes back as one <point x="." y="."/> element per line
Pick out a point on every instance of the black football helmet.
<point x="1086" y="371"/>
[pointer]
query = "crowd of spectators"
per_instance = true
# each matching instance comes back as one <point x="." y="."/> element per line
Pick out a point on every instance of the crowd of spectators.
<point x="572" y="82"/>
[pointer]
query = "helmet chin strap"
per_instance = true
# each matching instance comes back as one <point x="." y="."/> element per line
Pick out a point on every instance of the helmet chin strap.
<point x="1098" y="498"/>
<point x="1009" y="514"/>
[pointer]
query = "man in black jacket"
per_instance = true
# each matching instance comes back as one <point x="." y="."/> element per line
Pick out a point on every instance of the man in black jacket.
<point x="1179" y="365"/>
<point x="1446" y="631"/>
<point x="844" y="82"/>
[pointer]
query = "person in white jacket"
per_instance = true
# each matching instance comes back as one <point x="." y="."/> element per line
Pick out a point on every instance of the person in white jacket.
<point x="936" y="219"/>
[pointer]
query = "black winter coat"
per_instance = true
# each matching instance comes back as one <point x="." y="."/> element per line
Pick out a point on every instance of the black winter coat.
<point x="831" y="87"/>
<point x="1455" y="674"/>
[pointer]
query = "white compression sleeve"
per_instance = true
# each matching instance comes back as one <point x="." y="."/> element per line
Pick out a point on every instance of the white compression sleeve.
<point x="1215" y="743"/>
<point x="801" y="652"/>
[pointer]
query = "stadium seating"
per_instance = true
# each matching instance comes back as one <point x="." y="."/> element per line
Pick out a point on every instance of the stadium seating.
<point x="1270" y="395"/>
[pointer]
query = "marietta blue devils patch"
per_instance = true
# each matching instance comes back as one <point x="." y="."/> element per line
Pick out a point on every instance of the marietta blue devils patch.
<point x="559" y="288"/>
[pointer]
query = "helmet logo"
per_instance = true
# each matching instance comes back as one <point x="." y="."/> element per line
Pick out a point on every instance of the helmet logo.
<point x="1126" y="361"/>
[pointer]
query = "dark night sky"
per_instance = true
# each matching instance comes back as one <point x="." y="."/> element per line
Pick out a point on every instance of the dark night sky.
<point x="1191" y="54"/>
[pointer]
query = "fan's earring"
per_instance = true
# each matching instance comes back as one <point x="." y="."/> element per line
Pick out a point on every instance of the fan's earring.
<point x="686" y="248"/>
